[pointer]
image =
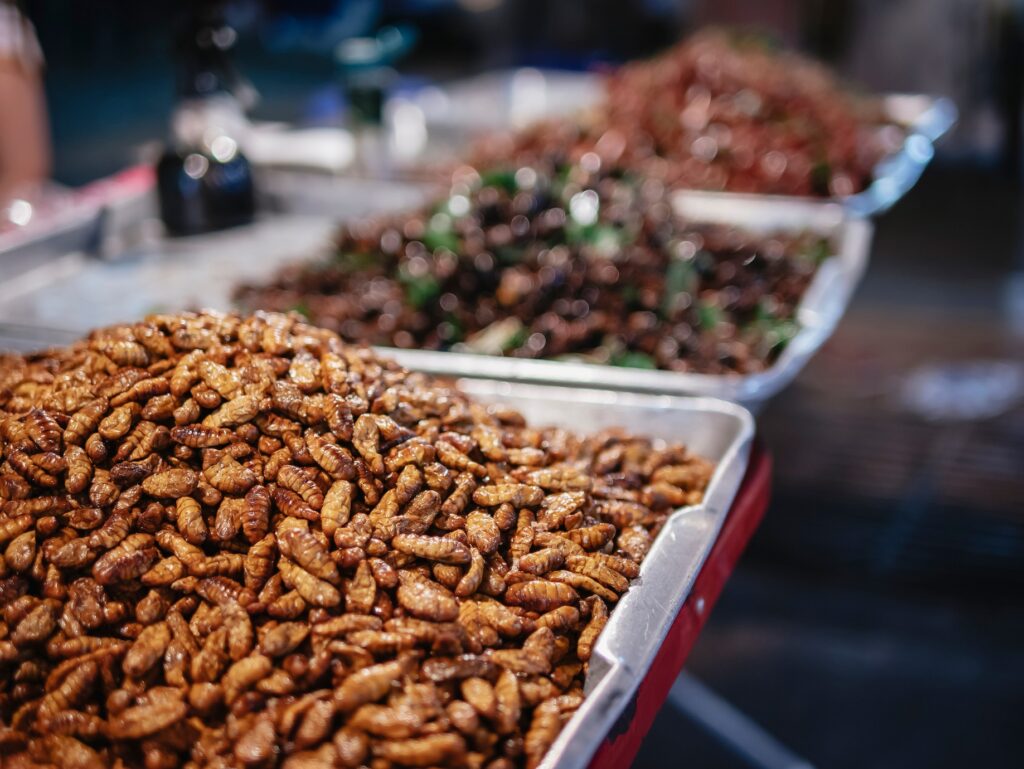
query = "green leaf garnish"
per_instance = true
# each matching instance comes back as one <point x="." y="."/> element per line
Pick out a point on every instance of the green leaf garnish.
<point x="354" y="261"/>
<point x="419" y="289"/>
<point x="821" y="175"/>
<point x="515" y="341"/>
<point x="302" y="309"/>
<point x="819" y="251"/>
<point x="634" y="359"/>
<point x="500" y="178"/>
<point x="708" y="316"/>
<point x="679" y="278"/>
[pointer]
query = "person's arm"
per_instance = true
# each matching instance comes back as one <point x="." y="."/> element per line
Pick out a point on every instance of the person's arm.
<point x="24" y="131"/>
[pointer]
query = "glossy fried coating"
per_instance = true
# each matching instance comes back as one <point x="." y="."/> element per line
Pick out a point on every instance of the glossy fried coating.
<point x="202" y="599"/>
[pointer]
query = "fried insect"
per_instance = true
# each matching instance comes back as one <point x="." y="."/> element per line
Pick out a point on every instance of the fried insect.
<point x="162" y="708"/>
<point x="190" y="520"/>
<point x="582" y="582"/>
<point x="598" y="620"/>
<point x="561" y="620"/>
<point x="594" y="569"/>
<point x="540" y="562"/>
<point x="127" y="561"/>
<point x="200" y="436"/>
<point x="433" y="749"/>
<point x="544" y="727"/>
<point x="313" y="590"/>
<point x="426" y="600"/>
<point x="303" y="547"/>
<point x="507" y="703"/>
<point x="361" y="591"/>
<point x="470" y="582"/>
<point x="335" y="460"/>
<point x="540" y="595"/>
<point x="259" y="562"/>
<point x="256" y="513"/>
<point x="43" y="429"/>
<point x="296" y="480"/>
<point x="238" y="542"/>
<point x="238" y="411"/>
<point x="441" y="549"/>
<point x="172" y="484"/>
<point x="147" y="650"/>
<point x="368" y="684"/>
<point x="336" y="508"/>
<point x="84" y="422"/>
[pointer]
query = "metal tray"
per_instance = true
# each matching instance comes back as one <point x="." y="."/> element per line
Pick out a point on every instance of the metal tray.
<point x="65" y="298"/>
<point x="719" y="431"/>
<point x="503" y="99"/>
<point x="509" y="99"/>
<point x="72" y="293"/>
<point x="820" y="310"/>
<point x="926" y="120"/>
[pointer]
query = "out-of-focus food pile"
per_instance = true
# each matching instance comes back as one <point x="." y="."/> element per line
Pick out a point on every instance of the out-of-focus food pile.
<point x="558" y="262"/>
<point x="237" y="541"/>
<point x="720" y="111"/>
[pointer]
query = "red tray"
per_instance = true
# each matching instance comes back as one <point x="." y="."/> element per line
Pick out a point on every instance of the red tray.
<point x="620" y="747"/>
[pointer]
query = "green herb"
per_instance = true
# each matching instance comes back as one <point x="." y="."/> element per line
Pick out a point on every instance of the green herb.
<point x="610" y="240"/>
<point x="607" y="238"/>
<point x="439" y="234"/>
<point x="575" y="233"/>
<point x="498" y="337"/>
<point x="509" y="254"/>
<point x="778" y="333"/>
<point x="630" y="294"/>
<point x="436" y="239"/>
<point x="821" y="175"/>
<point x="819" y="251"/>
<point x="708" y="316"/>
<point x="634" y="359"/>
<point x="302" y="309"/>
<point x="754" y="40"/>
<point x="515" y="341"/>
<point x="354" y="261"/>
<point x="458" y="332"/>
<point x="560" y="180"/>
<point x="419" y="289"/>
<point x="679" y="279"/>
<point x="500" y="178"/>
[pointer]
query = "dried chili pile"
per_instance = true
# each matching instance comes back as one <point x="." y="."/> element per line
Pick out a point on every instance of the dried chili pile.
<point x="240" y="542"/>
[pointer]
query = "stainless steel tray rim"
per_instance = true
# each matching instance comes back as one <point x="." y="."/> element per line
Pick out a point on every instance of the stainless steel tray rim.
<point x="621" y="657"/>
<point x="609" y="696"/>
<point x="643" y="616"/>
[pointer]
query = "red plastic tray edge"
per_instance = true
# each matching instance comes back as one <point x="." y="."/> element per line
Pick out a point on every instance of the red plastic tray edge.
<point x="748" y="509"/>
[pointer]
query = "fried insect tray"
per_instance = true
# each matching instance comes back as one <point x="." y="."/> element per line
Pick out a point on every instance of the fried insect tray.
<point x="719" y="431"/>
<point x="510" y="99"/>
<point x="818" y="313"/>
<point x="925" y="120"/>
<point x="66" y="297"/>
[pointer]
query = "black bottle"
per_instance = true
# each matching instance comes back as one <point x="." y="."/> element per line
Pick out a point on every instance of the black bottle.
<point x="204" y="180"/>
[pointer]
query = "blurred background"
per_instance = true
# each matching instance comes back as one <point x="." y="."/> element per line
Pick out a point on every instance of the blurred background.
<point x="877" y="618"/>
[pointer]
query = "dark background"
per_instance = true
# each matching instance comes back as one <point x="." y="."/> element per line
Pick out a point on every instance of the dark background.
<point x="877" y="618"/>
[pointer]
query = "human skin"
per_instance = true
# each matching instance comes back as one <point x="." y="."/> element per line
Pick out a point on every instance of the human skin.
<point x="24" y="132"/>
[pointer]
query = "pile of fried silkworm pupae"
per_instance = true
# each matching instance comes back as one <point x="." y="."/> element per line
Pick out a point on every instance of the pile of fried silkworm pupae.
<point x="240" y="542"/>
